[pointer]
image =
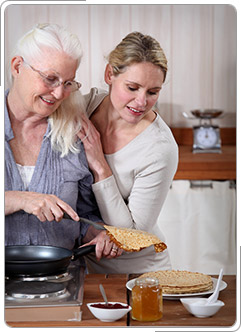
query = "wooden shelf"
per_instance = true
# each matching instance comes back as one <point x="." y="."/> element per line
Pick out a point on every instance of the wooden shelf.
<point x="184" y="136"/>
<point x="206" y="166"/>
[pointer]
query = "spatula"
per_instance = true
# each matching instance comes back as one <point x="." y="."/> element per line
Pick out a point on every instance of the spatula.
<point x="90" y="222"/>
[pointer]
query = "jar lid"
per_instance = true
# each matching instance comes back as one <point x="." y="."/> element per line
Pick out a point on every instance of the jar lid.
<point x="147" y="281"/>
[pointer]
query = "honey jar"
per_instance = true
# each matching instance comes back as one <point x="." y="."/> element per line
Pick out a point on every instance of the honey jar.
<point x="147" y="300"/>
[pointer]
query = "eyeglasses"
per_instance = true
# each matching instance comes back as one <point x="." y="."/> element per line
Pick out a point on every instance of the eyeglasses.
<point x="53" y="81"/>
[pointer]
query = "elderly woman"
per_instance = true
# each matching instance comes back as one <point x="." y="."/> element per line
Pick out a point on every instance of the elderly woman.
<point x="46" y="172"/>
<point x="130" y="150"/>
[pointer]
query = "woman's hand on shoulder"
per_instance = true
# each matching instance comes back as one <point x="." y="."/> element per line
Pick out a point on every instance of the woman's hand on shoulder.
<point x="43" y="206"/>
<point x="91" y="140"/>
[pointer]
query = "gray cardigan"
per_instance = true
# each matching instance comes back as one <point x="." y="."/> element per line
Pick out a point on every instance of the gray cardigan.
<point x="68" y="178"/>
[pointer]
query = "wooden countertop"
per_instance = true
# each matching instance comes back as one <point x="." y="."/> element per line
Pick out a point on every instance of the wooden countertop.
<point x="174" y="314"/>
<point x="206" y="166"/>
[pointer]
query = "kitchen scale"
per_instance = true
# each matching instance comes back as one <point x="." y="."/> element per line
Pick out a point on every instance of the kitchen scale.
<point x="206" y="137"/>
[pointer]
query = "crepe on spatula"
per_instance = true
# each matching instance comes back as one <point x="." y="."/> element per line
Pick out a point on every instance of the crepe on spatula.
<point x="133" y="239"/>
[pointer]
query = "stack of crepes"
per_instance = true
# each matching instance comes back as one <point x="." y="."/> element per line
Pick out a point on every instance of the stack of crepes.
<point x="181" y="282"/>
<point x="133" y="239"/>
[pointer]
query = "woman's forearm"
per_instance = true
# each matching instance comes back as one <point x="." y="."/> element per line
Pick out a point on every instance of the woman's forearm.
<point x="43" y="206"/>
<point x="13" y="201"/>
<point x="100" y="170"/>
<point x="94" y="152"/>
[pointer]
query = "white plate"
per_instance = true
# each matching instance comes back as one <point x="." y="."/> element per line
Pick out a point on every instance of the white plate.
<point x="130" y="284"/>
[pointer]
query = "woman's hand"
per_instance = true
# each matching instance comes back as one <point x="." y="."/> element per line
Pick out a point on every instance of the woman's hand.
<point x="90" y="137"/>
<point x="43" y="206"/>
<point x="104" y="246"/>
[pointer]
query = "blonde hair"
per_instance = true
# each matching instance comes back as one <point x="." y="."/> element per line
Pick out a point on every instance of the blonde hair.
<point x="64" y="121"/>
<point x="136" y="48"/>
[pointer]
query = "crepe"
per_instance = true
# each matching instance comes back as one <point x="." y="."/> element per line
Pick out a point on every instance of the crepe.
<point x="133" y="239"/>
<point x="181" y="282"/>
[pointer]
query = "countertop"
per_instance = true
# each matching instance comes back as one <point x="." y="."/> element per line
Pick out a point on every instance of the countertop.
<point x="174" y="314"/>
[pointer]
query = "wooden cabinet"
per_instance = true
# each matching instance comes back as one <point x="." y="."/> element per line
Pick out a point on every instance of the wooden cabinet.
<point x="206" y="166"/>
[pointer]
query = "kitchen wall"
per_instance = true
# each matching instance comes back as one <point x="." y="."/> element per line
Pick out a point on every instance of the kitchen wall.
<point x="199" y="42"/>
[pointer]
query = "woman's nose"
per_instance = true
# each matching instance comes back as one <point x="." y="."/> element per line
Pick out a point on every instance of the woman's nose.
<point x="141" y="99"/>
<point x="58" y="92"/>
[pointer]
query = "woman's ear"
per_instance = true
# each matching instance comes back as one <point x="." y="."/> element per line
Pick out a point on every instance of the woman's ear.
<point x="108" y="74"/>
<point x="15" y="65"/>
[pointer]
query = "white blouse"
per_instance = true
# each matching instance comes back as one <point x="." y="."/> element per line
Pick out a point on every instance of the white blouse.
<point x="134" y="195"/>
<point x="26" y="173"/>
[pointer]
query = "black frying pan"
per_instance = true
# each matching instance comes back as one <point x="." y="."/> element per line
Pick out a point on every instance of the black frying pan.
<point x="40" y="260"/>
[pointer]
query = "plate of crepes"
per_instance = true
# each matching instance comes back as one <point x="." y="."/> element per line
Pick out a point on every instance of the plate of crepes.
<point x="177" y="284"/>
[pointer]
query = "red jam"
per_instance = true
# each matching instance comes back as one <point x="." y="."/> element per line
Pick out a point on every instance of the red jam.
<point x="110" y="306"/>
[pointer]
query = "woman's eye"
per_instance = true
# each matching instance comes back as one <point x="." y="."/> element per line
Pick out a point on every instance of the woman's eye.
<point x="68" y="83"/>
<point x="51" y="79"/>
<point x="132" y="88"/>
<point x="154" y="93"/>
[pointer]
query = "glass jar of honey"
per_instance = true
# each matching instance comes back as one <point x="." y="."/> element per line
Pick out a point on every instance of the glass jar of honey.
<point x="147" y="300"/>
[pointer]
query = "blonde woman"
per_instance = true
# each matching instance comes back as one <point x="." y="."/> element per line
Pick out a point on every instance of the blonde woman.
<point x="130" y="150"/>
<point x="42" y="179"/>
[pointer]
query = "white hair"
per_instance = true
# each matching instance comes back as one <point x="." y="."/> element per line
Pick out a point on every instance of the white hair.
<point x="65" y="121"/>
<point x="31" y="46"/>
<point x="65" y="124"/>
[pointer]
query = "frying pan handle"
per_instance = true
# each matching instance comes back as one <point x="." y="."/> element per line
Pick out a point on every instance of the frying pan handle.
<point x="83" y="251"/>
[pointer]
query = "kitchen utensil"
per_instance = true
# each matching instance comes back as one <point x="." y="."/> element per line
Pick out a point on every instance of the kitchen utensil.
<point x="213" y="298"/>
<point x="90" y="222"/>
<point x="102" y="290"/>
<point x="40" y="260"/>
<point x="207" y="114"/>
<point x="206" y="136"/>
<point x="94" y="224"/>
<point x="199" y="307"/>
<point x="108" y="315"/>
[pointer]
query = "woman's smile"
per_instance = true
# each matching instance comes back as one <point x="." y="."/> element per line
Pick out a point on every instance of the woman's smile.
<point x="135" y="111"/>
<point x="47" y="101"/>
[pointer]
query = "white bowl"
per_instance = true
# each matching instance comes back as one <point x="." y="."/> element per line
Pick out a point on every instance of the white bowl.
<point x="199" y="308"/>
<point x="108" y="315"/>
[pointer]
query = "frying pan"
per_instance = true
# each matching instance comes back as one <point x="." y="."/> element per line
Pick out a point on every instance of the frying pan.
<point x="40" y="260"/>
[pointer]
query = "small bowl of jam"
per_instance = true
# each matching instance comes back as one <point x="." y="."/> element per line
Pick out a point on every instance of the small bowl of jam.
<point x="109" y="312"/>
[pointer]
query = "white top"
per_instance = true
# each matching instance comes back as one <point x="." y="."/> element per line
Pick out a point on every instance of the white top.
<point x="26" y="173"/>
<point x="134" y="195"/>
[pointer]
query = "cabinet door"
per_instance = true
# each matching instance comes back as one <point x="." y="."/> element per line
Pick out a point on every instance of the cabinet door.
<point x="199" y="224"/>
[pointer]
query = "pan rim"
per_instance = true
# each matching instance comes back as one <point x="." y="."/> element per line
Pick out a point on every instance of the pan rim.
<point x="35" y="246"/>
<point x="69" y="254"/>
<point x="36" y="262"/>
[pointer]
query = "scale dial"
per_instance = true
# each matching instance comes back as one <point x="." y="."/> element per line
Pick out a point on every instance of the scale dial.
<point x="206" y="138"/>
